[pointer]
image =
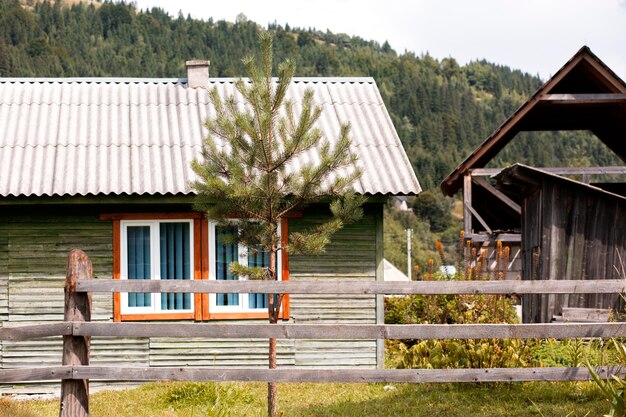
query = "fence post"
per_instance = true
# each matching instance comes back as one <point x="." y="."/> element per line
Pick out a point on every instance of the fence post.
<point x="75" y="393"/>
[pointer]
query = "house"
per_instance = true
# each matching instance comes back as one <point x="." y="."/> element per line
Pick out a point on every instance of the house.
<point x="104" y="165"/>
<point x="584" y="94"/>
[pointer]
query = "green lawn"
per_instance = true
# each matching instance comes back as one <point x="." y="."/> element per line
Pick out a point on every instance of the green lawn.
<point x="358" y="400"/>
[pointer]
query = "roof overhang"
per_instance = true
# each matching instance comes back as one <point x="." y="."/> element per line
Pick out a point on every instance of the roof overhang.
<point x="584" y="94"/>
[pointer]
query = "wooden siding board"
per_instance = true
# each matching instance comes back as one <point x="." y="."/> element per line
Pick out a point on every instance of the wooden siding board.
<point x="335" y="353"/>
<point x="114" y="351"/>
<point x="532" y="229"/>
<point x="380" y="276"/>
<point x="4" y="277"/>
<point x="217" y="352"/>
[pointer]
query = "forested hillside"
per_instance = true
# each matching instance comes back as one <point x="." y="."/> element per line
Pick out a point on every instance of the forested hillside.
<point x="442" y="110"/>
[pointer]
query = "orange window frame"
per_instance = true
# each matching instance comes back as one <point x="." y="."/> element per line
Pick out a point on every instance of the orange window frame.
<point x="201" y="247"/>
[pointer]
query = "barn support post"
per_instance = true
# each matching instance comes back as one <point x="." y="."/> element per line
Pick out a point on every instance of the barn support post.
<point x="75" y="392"/>
<point x="467" y="205"/>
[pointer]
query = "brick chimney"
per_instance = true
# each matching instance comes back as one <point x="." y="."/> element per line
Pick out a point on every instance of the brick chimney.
<point x="197" y="74"/>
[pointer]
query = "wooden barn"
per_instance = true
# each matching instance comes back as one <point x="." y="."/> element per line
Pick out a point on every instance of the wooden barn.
<point x="583" y="95"/>
<point x="104" y="165"/>
<point x="570" y="230"/>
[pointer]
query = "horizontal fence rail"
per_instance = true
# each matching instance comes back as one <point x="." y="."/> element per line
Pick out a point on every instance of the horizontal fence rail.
<point x="320" y="331"/>
<point x="106" y="373"/>
<point x="605" y="286"/>
<point x="77" y="331"/>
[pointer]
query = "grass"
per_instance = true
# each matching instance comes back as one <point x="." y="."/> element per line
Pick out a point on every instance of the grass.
<point x="573" y="399"/>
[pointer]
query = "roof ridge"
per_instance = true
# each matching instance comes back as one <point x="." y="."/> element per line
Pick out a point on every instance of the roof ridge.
<point x="118" y="145"/>
<point x="103" y="80"/>
<point x="120" y="103"/>
<point x="157" y="80"/>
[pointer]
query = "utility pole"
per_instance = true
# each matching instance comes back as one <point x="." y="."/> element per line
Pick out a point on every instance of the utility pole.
<point x="408" y="254"/>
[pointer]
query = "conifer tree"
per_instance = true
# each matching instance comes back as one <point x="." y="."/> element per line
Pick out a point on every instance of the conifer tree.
<point x="247" y="169"/>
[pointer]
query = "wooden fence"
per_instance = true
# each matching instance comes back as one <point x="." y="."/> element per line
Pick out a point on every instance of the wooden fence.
<point x="75" y="371"/>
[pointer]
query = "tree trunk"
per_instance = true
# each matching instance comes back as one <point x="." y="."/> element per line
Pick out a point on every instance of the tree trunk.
<point x="271" y="386"/>
<point x="273" y="316"/>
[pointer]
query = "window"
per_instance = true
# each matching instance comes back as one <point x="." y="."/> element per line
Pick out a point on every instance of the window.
<point x="222" y="253"/>
<point x="156" y="250"/>
<point x="185" y="246"/>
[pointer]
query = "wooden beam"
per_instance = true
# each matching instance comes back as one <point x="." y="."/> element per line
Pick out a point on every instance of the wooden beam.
<point x="499" y="195"/>
<point x="320" y="286"/>
<point x="584" y="99"/>
<point x="35" y="331"/>
<point x="467" y="204"/>
<point x="479" y="218"/>
<point x="503" y="237"/>
<point x="50" y="373"/>
<point x="489" y="172"/>
<point x="352" y="331"/>
<point x="343" y="375"/>
<point x="105" y="373"/>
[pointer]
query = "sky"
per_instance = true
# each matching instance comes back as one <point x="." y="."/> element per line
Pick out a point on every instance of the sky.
<point x="536" y="36"/>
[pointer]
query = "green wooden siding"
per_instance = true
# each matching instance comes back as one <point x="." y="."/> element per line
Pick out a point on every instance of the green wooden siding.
<point x="219" y="353"/>
<point x="4" y="277"/>
<point x="34" y="243"/>
<point x="350" y="255"/>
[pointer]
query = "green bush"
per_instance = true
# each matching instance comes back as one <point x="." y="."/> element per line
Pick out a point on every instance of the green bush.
<point x="455" y="353"/>
<point x="461" y="353"/>
<point x="574" y="352"/>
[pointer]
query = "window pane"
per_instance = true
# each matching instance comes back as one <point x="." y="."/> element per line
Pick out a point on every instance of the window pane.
<point x="138" y="245"/>
<point x="226" y="252"/>
<point x="175" y="259"/>
<point x="258" y="258"/>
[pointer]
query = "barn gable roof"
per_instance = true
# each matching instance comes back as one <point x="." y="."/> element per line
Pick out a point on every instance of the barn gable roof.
<point x="584" y="94"/>
<point x="129" y="136"/>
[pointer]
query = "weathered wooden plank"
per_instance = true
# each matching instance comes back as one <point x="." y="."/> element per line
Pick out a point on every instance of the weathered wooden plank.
<point x="590" y="285"/>
<point x="584" y="98"/>
<point x="343" y="375"/>
<point x="559" y="170"/>
<point x="586" y="315"/>
<point x="467" y="203"/>
<point x="35" y="331"/>
<point x="352" y="331"/>
<point x="50" y="373"/>
<point x="503" y="237"/>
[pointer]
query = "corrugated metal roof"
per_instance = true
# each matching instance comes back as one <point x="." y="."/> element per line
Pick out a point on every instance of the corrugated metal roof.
<point x="139" y="136"/>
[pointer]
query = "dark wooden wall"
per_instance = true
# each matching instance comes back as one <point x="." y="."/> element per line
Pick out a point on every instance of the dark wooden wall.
<point x="571" y="231"/>
<point x="35" y="241"/>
